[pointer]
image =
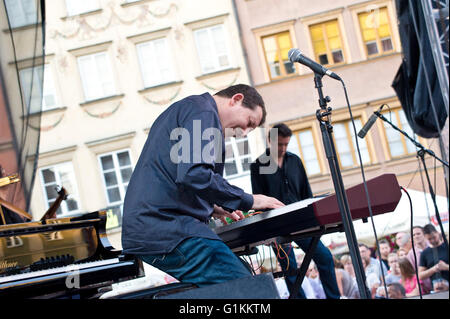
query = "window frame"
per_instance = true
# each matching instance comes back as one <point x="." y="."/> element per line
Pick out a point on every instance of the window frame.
<point x="22" y="8"/>
<point x="217" y="67"/>
<point x="323" y="17"/>
<point x="392" y="18"/>
<point x="329" y="52"/>
<point x="117" y="168"/>
<point x="282" y="69"/>
<point x="23" y="84"/>
<point x="261" y="32"/>
<point x="239" y="158"/>
<point x="154" y="82"/>
<point x="378" y="40"/>
<point x="350" y="139"/>
<point x="76" y="196"/>
<point x="302" y="157"/>
<point x="48" y="72"/>
<point x="395" y="110"/>
<point x="99" y="74"/>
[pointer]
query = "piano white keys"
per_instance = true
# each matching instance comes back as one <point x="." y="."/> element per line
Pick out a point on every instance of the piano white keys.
<point x="66" y="270"/>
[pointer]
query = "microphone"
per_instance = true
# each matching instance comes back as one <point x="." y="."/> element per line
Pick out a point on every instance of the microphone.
<point x="295" y="55"/>
<point x="362" y="133"/>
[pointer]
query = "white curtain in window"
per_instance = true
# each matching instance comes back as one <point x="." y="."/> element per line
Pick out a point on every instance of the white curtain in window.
<point x="31" y="83"/>
<point x="155" y="60"/>
<point x="342" y="144"/>
<point x="310" y="159"/>
<point x="212" y="48"/>
<point x="96" y="76"/>
<point x="21" y="12"/>
<point x="365" y="156"/>
<point x="116" y="170"/>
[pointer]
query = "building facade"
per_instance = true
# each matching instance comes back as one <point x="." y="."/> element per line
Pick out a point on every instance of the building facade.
<point x="111" y="67"/>
<point x="359" y="41"/>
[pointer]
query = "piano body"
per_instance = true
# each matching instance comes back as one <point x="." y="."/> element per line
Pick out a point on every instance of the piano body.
<point x="61" y="257"/>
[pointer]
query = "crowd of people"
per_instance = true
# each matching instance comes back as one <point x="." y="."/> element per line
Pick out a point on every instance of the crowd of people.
<point x="394" y="270"/>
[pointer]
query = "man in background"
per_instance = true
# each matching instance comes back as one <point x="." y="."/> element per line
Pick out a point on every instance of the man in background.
<point x="434" y="259"/>
<point x="289" y="184"/>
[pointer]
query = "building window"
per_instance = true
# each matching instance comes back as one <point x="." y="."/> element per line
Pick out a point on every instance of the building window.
<point x="155" y="62"/>
<point x="31" y="81"/>
<point x="49" y="92"/>
<point x="302" y="144"/>
<point x="38" y="90"/>
<point x="376" y="31"/>
<point x="346" y="145"/>
<point x="96" y="76"/>
<point x="116" y="171"/>
<point x="398" y="144"/>
<point x="237" y="157"/>
<point x="327" y="44"/>
<point x="212" y="48"/>
<point x="276" y="48"/>
<point x="60" y="175"/>
<point x="75" y="7"/>
<point x="21" y="12"/>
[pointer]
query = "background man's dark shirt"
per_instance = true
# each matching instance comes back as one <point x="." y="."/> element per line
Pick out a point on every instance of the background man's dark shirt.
<point x="430" y="256"/>
<point x="288" y="184"/>
<point x="167" y="202"/>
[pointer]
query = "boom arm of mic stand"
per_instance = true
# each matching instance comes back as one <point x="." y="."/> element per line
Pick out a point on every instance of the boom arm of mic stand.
<point x="421" y="154"/>
<point x="417" y="144"/>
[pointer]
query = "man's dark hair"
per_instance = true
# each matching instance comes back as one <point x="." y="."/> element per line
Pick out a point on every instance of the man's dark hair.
<point x="252" y="98"/>
<point x="283" y="130"/>
<point x="399" y="288"/>
<point x="428" y="229"/>
<point x="383" y="241"/>
<point x="363" y="245"/>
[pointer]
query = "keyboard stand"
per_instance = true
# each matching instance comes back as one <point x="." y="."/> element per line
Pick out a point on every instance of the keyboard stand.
<point x="301" y="271"/>
<point x="305" y="265"/>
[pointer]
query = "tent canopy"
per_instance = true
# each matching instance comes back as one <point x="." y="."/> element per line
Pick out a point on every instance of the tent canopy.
<point x="396" y="221"/>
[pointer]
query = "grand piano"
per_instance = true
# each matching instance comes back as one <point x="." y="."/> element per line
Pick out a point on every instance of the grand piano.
<point x="61" y="258"/>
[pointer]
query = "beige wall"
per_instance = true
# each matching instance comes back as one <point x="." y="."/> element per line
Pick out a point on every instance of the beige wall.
<point x="79" y="131"/>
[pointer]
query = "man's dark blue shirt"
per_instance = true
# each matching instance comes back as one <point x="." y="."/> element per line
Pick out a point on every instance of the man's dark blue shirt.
<point x="174" y="186"/>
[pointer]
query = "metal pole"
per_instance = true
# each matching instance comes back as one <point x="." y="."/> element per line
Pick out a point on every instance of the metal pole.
<point x="341" y="196"/>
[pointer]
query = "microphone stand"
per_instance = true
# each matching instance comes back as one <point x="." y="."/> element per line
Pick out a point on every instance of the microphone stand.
<point x="323" y="115"/>
<point x="421" y="154"/>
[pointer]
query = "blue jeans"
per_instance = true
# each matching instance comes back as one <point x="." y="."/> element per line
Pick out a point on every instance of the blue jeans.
<point x="325" y="265"/>
<point x="200" y="261"/>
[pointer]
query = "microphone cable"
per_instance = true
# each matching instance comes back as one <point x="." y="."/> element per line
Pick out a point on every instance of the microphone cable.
<point x="412" y="243"/>
<point x="365" y="188"/>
